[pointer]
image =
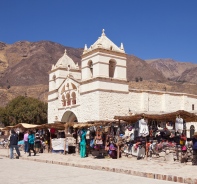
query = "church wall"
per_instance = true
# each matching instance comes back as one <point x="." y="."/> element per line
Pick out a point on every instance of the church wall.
<point x="173" y="103"/>
<point x="89" y="107"/>
<point x="60" y="77"/>
<point x="158" y="102"/>
<point x="118" y="71"/>
<point x="188" y="103"/>
<point x="96" y="85"/>
<point x="51" y="85"/>
<point x="135" y="103"/>
<point x="154" y="102"/>
<point x="86" y="74"/>
<point x="51" y="82"/>
<point x="53" y="96"/>
<point x="52" y="111"/>
<point x="112" y="104"/>
<point x="100" y="70"/>
<point x="76" y="75"/>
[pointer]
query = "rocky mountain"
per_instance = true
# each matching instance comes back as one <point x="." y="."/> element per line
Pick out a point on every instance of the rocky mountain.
<point x="26" y="63"/>
<point x="138" y="68"/>
<point x="24" y="68"/>
<point x="173" y="70"/>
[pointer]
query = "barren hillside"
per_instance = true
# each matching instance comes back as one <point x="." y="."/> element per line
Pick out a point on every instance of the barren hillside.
<point x="172" y="69"/>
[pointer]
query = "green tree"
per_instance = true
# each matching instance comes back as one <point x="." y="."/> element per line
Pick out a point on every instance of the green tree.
<point x="3" y="116"/>
<point x="26" y="110"/>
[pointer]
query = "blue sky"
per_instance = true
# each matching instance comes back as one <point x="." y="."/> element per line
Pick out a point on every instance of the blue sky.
<point x="148" y="28"/>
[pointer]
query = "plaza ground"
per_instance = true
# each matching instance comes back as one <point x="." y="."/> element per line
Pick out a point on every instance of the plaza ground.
<point x="153" y="169"/>
<point x="23" y="171"/>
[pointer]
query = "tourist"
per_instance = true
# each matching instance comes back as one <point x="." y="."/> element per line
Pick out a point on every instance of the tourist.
<point x="14" y="144"/>
<point x="31" y="140"/>
<point x="25" y="138"/>
<point x="194" y="141"/>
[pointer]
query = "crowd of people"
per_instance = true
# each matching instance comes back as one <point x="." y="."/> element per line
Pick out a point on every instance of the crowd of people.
<point x="30" y="141"/>
<point x="96" y="139"/>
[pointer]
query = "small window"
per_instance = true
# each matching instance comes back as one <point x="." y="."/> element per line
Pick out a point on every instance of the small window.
<point x="90" y="65"/>
<point x="192" y="107"/>
<point x="112" y="66"/>
<point x="54" y="77"/>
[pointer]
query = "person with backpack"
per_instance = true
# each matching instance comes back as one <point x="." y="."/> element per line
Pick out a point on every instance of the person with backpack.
<point x="14" y="144"/>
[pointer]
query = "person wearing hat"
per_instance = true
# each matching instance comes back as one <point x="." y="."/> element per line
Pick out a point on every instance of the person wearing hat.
<point x="194" y="141"/>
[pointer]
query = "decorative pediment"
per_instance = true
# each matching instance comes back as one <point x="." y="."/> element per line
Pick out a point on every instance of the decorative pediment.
<point x="68" y="84"/>
<point x="105" y="43"/>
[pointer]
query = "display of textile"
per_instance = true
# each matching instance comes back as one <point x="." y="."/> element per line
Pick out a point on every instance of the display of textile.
<point x="143" y="128"/>
<point x="179" y="125"/>
<point x="128" y="133"/>
<point x="112" y="151"/>
<point x="88" y="134"/>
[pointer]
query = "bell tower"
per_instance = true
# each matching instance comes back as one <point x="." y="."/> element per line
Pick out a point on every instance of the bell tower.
<point x="103" y="66"/>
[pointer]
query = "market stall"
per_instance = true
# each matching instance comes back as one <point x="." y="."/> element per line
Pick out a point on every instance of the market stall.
<point x="167" y="132"/>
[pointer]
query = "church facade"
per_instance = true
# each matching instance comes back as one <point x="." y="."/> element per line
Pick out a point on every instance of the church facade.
<point x="99" y="90"/>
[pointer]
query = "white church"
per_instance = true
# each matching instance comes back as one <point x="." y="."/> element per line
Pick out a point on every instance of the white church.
<point x="99" y="90"/>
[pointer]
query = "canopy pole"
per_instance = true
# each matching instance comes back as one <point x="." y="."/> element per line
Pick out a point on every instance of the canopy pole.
<point x="65" y="131"/>
<point x="118" y="151"/>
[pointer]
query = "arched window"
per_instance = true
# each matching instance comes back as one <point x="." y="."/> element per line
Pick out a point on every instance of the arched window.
<point x="112" y="66"/>
<point x="73" y="95"/>
<point x="68" y="99"/>
<point x="192" y="130"/>
<point x="63" y="100"/>
<point x="90" y="66"/>
<point x="73" y="86"/>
